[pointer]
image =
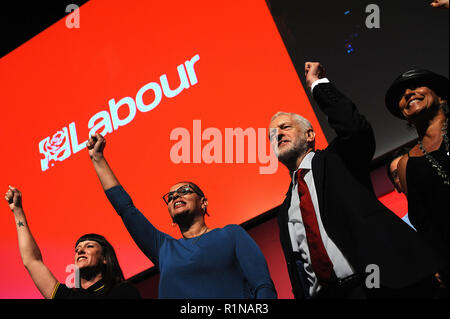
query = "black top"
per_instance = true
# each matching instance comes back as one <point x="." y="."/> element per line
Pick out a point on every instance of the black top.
<point x="98" y="290"/>
<point x="428" y="201"/>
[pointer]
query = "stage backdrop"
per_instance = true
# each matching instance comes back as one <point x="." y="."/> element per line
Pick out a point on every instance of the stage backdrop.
<point x="182" y="91"/>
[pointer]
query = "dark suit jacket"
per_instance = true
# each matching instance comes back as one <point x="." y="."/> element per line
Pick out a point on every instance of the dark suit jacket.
<point x="363" y="229"/>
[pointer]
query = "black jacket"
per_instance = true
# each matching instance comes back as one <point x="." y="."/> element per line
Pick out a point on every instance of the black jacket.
<point x="363" y="229"/>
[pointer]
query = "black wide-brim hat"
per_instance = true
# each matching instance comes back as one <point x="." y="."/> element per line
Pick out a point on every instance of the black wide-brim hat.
<point x="412" y="79"/>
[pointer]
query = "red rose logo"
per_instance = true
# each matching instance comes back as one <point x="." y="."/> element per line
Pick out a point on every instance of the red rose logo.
<point x="54" y="145"/>
<point x="56" y="148"/>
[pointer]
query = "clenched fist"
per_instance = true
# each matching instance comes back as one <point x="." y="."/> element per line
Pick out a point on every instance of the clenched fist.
<point x="14" y="198"/>
<point x="96" y="145"/>
<point x="440" y="4"/>
<point x="313" y="72"/>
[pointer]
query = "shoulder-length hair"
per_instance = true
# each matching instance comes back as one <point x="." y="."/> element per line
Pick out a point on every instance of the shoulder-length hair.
<point x="111" y="272"/>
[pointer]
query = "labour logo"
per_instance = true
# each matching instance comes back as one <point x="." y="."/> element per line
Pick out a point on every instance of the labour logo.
<point x="65" y="143"/>
<point x="56" y="148"/>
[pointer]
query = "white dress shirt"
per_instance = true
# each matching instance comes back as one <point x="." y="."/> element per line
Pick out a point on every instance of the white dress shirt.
<point x="322" y="80"/>
<point x="297" y="231"/>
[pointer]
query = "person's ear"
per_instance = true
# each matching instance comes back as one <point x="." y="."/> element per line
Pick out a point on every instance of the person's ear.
<point x="204" y="203"/>
<point x="310" y="135"/>
<point x="311" y="138"/>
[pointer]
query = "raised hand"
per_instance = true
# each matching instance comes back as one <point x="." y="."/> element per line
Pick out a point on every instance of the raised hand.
<point x="96" y="144"/>
<point x="14" y="198"/>
<point x="440" y="4"/>
<point x="313" y="72"/>
<point x="29" y="250"/>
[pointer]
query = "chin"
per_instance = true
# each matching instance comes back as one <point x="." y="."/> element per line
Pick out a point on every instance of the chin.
<point x="81" y="265"/>
<point x="288" y="154"/>
<point x="182" y="217"/>
<point x="179" y="212"/>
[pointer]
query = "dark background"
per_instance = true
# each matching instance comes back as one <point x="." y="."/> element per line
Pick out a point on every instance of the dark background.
<point x="411" y="34"/>
<point x="22" y="20"/>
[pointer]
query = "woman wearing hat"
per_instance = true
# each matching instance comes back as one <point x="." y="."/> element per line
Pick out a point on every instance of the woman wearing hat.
<point x="100" y="275"/>
<point x="420" y="97"/>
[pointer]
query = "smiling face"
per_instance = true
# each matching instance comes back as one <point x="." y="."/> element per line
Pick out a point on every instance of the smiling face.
<point x="289" y="138"/>
<point x="189" y="202"/>
<point x="89" y="254"/>
<point x="414" y="101"/>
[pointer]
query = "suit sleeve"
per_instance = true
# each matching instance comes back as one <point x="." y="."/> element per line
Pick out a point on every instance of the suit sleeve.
<point x="253" y="264"/>
<point x="355" y="141"/>
<point x="144" y="234"/>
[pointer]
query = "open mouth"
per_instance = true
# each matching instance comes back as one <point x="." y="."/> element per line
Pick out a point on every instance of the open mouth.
<point x="81" y="258"/>
<point x="413" y="101"/>
<point x="178" y="204"/>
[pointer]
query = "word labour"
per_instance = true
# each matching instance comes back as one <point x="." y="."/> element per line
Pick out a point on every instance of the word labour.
<point x="62" y="144"/>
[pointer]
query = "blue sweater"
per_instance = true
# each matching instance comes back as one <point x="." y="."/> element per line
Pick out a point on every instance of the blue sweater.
<point x="224" y="263"/>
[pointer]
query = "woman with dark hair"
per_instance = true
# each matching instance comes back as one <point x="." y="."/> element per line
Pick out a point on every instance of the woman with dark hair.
<point x="220" y="263"/>
<point x="100" y="275"/>
<point x="420" y="97"/>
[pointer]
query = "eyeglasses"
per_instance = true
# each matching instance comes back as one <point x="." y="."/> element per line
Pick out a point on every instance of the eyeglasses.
<point x="183" y="190"/>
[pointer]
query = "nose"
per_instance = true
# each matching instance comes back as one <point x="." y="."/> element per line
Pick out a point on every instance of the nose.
<point x="408" y="93"/>
<point x="175" y="196"/>
<point x="280" y="135"/>
<point x="80" y="251"/>
<point x="274" y="134"/>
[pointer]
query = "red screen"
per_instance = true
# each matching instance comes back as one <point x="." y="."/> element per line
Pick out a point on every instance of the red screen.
<point x="181" y="90"/>
<point x="396" y="202"/>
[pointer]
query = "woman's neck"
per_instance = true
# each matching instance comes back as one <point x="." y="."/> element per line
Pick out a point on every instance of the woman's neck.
<point x="432" y="129"/>
<point x="196" y="229"/>
<point x="87" y="282"/>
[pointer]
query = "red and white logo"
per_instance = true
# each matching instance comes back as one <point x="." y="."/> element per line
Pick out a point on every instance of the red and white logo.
<point x="56" y="148"/>
<point x="64" y="143"/>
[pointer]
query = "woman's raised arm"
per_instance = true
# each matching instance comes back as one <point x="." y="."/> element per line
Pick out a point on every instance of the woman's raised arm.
<point x="29" y="250"/>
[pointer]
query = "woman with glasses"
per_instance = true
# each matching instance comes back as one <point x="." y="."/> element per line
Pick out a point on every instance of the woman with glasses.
<point x="222" y="263"/>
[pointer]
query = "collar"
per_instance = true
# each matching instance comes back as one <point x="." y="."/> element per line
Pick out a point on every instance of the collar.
<point x="97" y="287"/>
<point x="305" y="164"/>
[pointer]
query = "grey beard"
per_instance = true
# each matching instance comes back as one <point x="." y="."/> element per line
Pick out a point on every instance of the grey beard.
<point x="293" y="153"/>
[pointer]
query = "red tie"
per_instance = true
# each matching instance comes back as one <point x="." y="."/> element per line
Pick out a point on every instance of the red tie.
<point x="321" y="263"/>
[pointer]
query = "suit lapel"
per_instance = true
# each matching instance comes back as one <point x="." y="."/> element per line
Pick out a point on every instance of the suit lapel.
<point x="283" y="215"/>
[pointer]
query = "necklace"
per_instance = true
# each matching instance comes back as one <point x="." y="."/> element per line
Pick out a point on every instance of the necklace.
<point x="434" y="163"/>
